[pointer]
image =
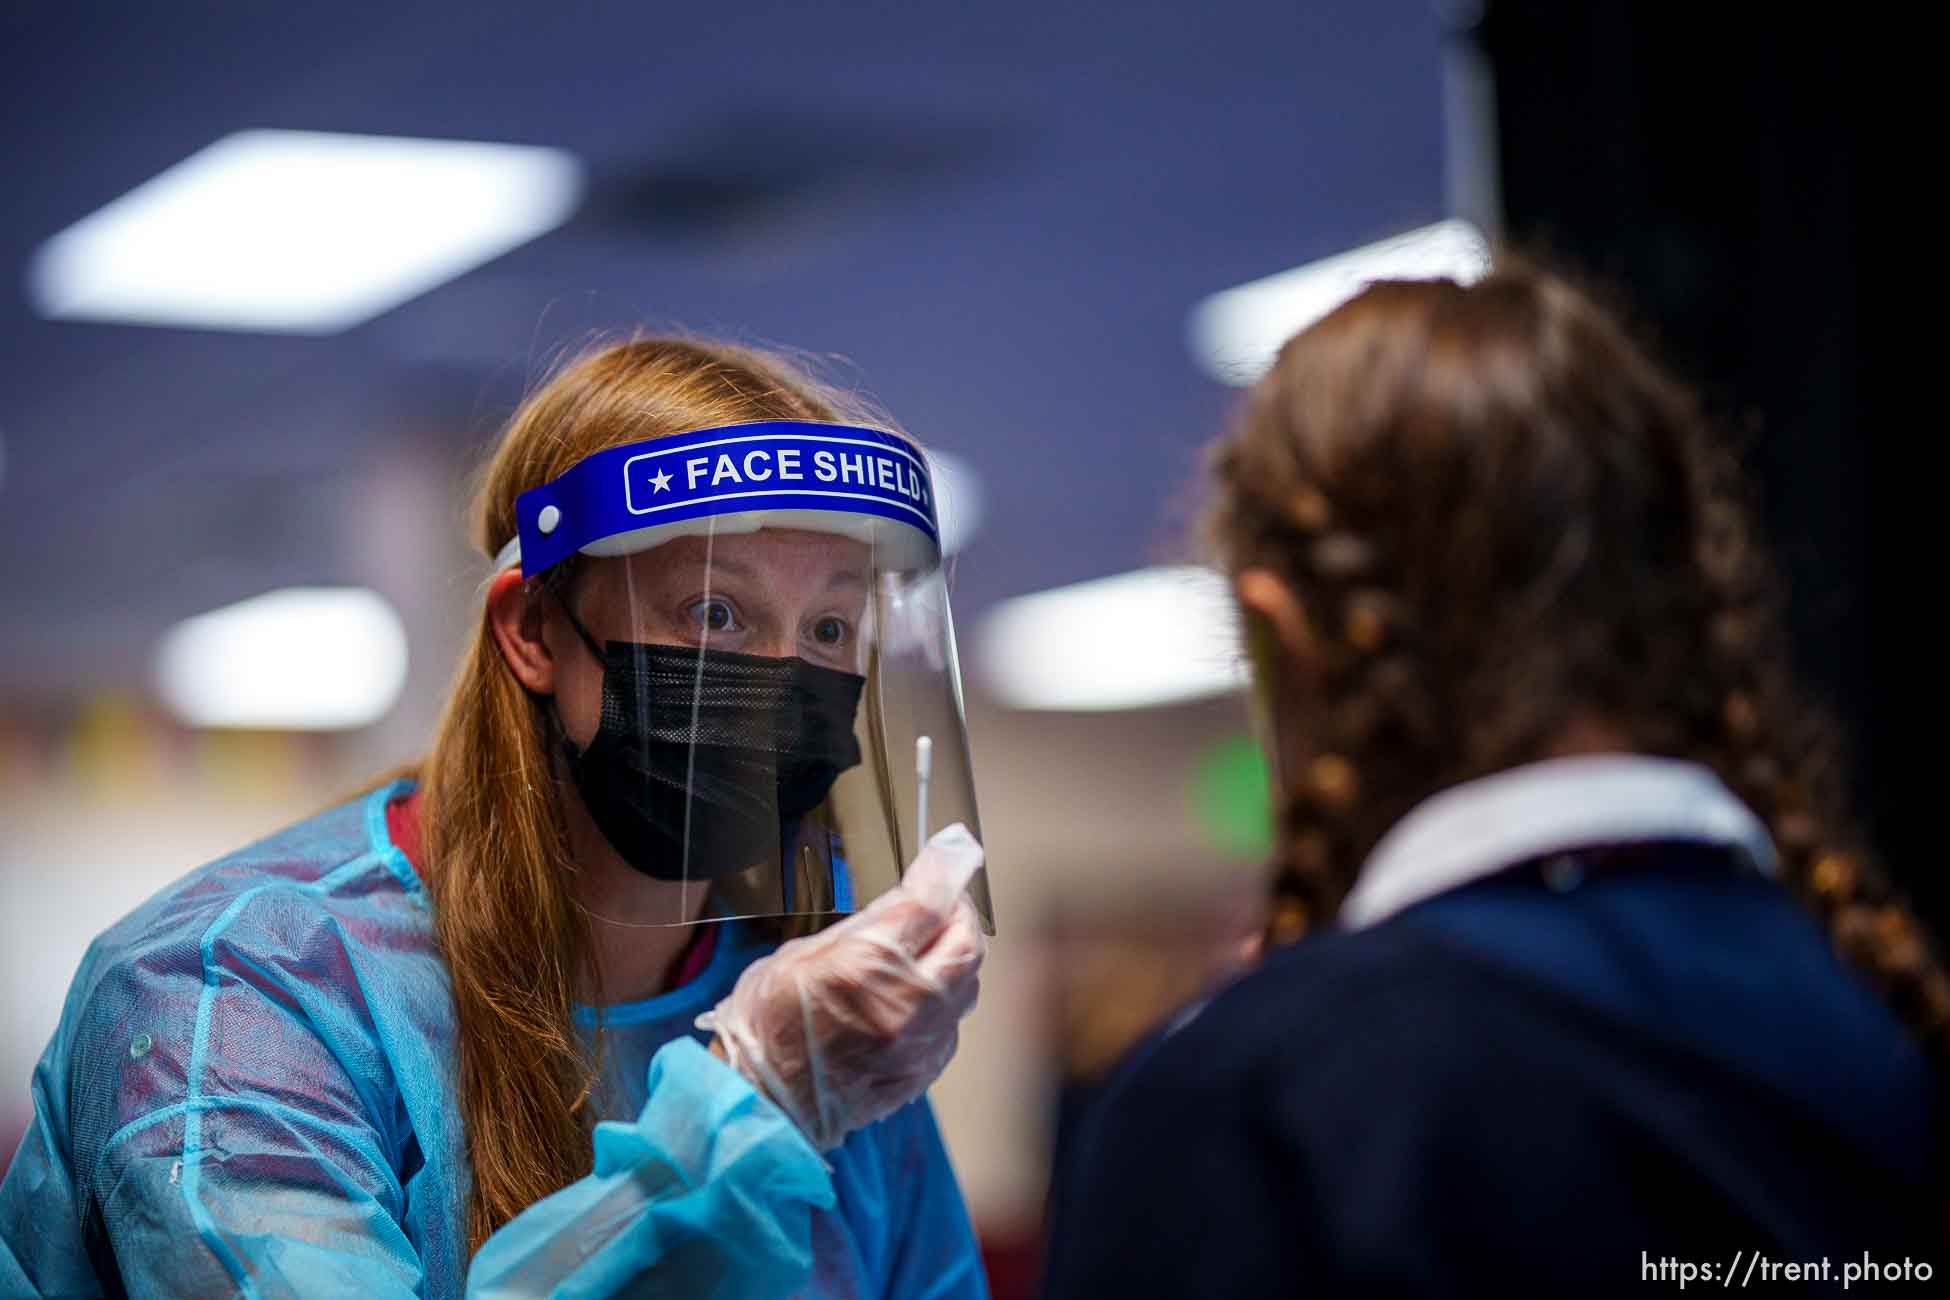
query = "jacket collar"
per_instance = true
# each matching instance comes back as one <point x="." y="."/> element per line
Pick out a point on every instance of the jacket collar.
<point x="1476" y="829"/>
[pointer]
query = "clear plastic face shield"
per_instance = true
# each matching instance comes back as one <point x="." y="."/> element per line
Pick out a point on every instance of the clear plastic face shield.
<point x="770" y="705"/>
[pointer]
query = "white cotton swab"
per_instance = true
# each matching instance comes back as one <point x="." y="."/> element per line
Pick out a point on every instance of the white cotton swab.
<point x="923" y="768"/>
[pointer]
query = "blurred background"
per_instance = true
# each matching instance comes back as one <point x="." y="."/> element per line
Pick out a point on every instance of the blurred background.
<point x="277" y="274"/>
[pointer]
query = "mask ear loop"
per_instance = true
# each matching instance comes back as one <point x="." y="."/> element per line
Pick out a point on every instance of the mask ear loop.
<point x="594" y="649"/>
<point x="555" y="710"/>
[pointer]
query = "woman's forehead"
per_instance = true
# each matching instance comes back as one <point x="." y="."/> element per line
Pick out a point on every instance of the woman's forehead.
<point x="790" y="558"/>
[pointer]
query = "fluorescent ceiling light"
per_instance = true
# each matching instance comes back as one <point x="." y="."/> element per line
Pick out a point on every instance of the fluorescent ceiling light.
<point x="300" y="231"/>
<point x="958" y="499"/>
<point x="1235" y="335"/>
<point x="1156" y="636"/>
<point x="300" y="659"/>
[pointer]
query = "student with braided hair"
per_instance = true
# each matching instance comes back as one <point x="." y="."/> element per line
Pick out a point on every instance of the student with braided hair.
<point x="1575" y="974"/>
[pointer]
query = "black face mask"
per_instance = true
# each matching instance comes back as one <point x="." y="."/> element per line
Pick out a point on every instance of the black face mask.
<point x="730" y="753"/>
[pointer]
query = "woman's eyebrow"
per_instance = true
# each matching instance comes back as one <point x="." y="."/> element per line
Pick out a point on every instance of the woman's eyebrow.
<point x="726" y="564"/>
<point x="734" y="567"/>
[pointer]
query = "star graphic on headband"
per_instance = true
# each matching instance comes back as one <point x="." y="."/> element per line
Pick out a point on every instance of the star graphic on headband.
<point x="660" y="480"/>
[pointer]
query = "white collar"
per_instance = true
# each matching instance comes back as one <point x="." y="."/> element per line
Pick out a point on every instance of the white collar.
<point x="1480" y="827"/>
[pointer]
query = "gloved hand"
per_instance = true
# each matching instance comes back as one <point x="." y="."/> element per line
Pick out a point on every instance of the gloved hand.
<point x="844" y="1027"/>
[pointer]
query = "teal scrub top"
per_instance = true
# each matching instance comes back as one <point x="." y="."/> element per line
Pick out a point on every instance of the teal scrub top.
<point x="252" y="1091"/>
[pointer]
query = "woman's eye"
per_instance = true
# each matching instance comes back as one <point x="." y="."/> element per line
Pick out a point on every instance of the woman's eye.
<point x="829" y="631"/>
<point x="713" y="615"/>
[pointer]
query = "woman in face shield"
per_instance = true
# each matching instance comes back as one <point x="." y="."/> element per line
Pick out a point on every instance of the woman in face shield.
<point x="1576" y="980"/>
<point x="633" y="985"/>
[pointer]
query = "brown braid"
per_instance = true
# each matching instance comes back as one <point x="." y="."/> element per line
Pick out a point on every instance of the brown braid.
<point x="1502" y="521"/>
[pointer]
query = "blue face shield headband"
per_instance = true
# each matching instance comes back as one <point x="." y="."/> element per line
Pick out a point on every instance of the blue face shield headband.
<point x="768" y="681"/>
<point x="863" y="483"/>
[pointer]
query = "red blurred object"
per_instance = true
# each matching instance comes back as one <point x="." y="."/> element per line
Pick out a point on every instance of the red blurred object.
<point x="1014" y="1263"/>
<point x="11" y="1132"/>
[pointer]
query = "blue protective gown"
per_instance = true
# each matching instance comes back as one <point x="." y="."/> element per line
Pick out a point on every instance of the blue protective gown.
<point x="252" y="1090"/>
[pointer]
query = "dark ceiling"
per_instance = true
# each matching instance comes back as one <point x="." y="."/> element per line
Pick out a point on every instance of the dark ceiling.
<point x="994" y="217"/>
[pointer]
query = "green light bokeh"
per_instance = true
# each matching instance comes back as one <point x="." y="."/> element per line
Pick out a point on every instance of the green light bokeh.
<point x="1230" y="795"/>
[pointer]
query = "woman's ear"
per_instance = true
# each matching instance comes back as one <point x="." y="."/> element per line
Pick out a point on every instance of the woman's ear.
<point x="1283" y="651"/>
<point x="516" y="613"/>
<point x="1264" y="593"/>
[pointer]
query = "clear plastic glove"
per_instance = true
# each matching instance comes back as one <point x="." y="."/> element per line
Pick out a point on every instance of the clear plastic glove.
<point x="846" y="1026"/>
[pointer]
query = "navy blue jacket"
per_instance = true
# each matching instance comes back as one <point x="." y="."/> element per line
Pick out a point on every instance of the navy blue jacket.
<point x="1515" y="1089"/>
